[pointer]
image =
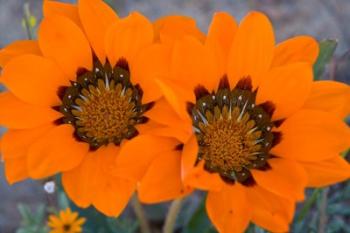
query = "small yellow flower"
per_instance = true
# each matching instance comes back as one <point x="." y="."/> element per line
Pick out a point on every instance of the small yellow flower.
<point x="66" y="222"/>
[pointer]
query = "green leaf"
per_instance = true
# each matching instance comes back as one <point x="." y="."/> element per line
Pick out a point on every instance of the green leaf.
<point x="25" y="213"/>
<point x="123" y="225"/>
<point x="327" y="48"/>
<point x="63" y="201"/>
<point x="199" y="221"/>
<point x="32" y="221"/>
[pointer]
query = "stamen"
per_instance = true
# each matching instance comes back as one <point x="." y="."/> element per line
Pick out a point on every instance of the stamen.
<point x="233" y="133"/>
<point x="103" y="105"/>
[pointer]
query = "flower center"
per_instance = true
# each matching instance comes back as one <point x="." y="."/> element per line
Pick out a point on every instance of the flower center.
<point x="66" y="227"/>
<point x="233" y="133"/>
<point x="103" y="105"/>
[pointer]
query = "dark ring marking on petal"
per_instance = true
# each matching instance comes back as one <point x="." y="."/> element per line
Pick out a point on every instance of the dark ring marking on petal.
<point x="61" y="91"/>
<point x="245" y="84"/>
<point x="122" y="63"/>
<point x="200" y="91"/>
<point x="268" y="107"/>
<point x="278" y="123"/>
<point x="179" y="147"/>
<point x="277" y="138"/>
<point x="224" y="83"/>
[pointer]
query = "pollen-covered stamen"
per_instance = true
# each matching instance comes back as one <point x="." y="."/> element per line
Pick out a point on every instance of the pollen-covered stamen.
<point x="234" y="134"/>
<point x="103" y="105"/>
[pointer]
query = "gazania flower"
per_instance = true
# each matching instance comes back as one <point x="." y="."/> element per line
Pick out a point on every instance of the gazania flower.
<point x="77" y="99"/>
<point x="66" y="222"/>
<point x="256" y="129"/>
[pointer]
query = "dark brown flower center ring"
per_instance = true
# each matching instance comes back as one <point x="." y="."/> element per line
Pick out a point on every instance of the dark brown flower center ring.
<point x="103" y="105"/>
<point x="233" y="133"/>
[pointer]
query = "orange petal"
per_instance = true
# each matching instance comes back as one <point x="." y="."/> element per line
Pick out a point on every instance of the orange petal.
<point x="171" y="132"/>
<point x="138" y="153"/>
<point x="15" y="143"/>
<point x="150" y="63"/>
<point x="296" y="49"/>
<point x="126" y="37"/>
<point x="189" y="156"/>
<point x="285" y="178"/>
<point x="229" y="210"/>
<point x="311" y="135"/>
<point x="59" y="36"/>
<point x="270" y="211"/>
<point x="55" y="152"/>
<point x="113" y="195"/>
<point x="287" y="87"/>
<point x="329" y="96"/>
<point x="168" y="29"/>
<point x="16" y="170"/>
<point x="148" y="126"/>
<point x="52" y="8"/>
<point x="82" y="182"/>
<point x="16" y="114"/>
<point x="34" y="80"/>
<point x="96" y="17"/>
<point x="252" y="49"/>
<point x="199" y="178"/>
<point x="327" y="172"/>
<point x="220" y="36"/>
<point x="177" y="97"/>
<point x="18" y="48"/>
<point x="164" y="114"/>
<point x="162" y="181"/>
<point x="193" y="65"/>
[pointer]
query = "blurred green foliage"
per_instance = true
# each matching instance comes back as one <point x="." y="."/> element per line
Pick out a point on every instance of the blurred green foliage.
<point x="32" y="222"/>
<point x="327" y="49"/>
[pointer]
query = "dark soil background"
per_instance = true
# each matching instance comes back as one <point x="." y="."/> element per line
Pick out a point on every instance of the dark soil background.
<point x="323" y="19"/>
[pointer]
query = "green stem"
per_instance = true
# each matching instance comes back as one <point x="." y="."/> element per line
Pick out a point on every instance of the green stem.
<point x="322" y="225"/>
<point x="308" y="204"/>
<point x="140" y="214"/>
<point x="26" y="17"/>
<point x="171" y="217"/>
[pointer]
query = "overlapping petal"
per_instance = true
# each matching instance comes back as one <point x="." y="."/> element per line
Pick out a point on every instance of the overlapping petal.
<point x="296" y="80"/>
<point x="59" y="36"/>
<point x="96" y="17"/>
<point x="327" y="172"/>
<point x="53" y="8"/>
<point x="252" y="49"/>
<point x="329" y="96"/>
<point x="35" y="73"/>
<point x="229" y="210"/>
<point x="311" y="135"/>
<point x="285" y="178"/>
<point x="18" y="48"/>
<point x="126" y="37"/>
<point x="55" y="152"/>
<point x="296" y="49"/>
<point x="168" y="29"/>
<point x="220" y="36"/>
<point x="170" y="181"/>
<point x="134" y="150"/>
<point x="16" y="114"/>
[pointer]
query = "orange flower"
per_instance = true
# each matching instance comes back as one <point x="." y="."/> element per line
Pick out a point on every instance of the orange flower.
<point x="66" y="222"/>
<point x="256" y="130"/>
<point x="77" y="101"/>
